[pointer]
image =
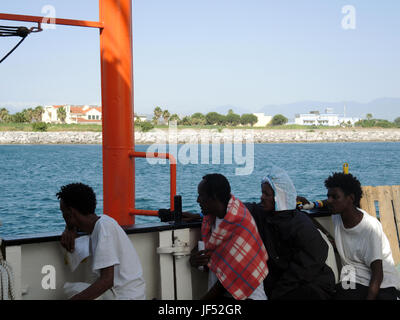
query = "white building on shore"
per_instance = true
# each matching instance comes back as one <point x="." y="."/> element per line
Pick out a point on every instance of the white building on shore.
<point x="325" y="119"/>
<point x="73" y="114"/>
<point x="263" y="120"/>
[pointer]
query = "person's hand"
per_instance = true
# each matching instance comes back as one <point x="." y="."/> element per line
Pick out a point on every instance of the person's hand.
<point x="68" y="239"/>
<point x="302" y="200"/>
<point x="189" y="217"/>
<point x="200" y="258"/>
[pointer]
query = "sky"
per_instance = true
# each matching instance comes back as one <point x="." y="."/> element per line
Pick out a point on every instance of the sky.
<point x="192" y="55"/>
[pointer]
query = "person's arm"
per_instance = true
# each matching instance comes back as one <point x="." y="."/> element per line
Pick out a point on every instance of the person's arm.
<point x="376" y="279"/>
<point x="101" y="285"/>
<point x="189" y="217"/>
<point x="68" y="238"/>
<point x="199" y="258"/>
<point x="215" y="292"/>
<point x="303" y="200"/>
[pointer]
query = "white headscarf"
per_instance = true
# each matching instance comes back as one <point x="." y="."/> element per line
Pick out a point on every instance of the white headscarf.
<point x="285" y="192"/>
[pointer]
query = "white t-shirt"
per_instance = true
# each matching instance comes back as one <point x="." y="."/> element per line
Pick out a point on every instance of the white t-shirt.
<point x="258" y="293"/>
<point x="361" y="245"/>
<point x="110" y="246"/>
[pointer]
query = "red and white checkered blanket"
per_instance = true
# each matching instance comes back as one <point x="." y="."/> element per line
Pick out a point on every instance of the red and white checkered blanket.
<point x="238" y="256"/>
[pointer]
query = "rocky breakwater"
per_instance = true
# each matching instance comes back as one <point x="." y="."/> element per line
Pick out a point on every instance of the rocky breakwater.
<point x="268" y="136"/>
<point x="61" y="137"/>
<point x="210" y="136"/>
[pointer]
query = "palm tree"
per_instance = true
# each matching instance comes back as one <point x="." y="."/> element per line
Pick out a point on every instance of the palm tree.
<point x="61" y="114"/>
<point x="174" y="117"/>
<point x="157" y="114"/>
<point x="166" y="115"/>
<point x="37" y="114"/>
<point x="4" y="115"/>
<point x="28" y="114"/>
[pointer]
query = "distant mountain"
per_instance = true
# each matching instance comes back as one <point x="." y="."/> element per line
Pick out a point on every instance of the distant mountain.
<point x="383" y="108"/>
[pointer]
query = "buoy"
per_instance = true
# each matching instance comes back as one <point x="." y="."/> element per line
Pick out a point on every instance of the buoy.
<point x="345" y="168"/>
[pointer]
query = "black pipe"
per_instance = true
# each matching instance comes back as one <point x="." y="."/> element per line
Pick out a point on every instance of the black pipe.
<point x="178" y="209"/>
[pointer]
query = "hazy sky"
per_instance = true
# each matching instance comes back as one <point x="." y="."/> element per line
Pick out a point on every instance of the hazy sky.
<point x="197" y="55"/>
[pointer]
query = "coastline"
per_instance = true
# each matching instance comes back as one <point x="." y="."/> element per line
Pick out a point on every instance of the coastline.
<point x="211" y="136"/>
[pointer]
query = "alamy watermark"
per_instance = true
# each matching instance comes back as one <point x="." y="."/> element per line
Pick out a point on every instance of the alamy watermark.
<point x="348" y="277"/>
<point x="49" y="19"/>
<point x="349" y="20"/>
<point x="204" y="147"/>
<point x="49" y="280"/>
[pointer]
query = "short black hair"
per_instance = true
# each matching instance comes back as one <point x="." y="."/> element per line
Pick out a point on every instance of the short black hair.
<point x="217" y="186"/>
<point x="78" y="196"/>
<point x="347" y="183"/>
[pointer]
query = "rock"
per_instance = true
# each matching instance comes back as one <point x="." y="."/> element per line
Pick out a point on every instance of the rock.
<point x="162" y="136"/>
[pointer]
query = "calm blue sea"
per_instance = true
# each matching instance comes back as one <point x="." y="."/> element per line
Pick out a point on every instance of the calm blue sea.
<point x="31" y="175"/>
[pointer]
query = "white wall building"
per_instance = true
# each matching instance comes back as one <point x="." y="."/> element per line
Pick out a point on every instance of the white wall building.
<point x="325" y="119"/>
<point x="74" y="114"/>
<point x="138" y="117"/>
<point x="263" y="120"/>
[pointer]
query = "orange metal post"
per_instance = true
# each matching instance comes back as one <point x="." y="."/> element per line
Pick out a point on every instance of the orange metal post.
<point x="47" y="20"/>
<point x="117" y="103"/>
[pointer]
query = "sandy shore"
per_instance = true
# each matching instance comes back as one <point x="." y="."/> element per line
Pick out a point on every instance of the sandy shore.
<point x="210" y="136"/>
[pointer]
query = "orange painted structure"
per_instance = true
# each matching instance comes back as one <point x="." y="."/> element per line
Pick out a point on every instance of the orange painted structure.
<point x="115" y="27"/>
<point x="172" y="160"/>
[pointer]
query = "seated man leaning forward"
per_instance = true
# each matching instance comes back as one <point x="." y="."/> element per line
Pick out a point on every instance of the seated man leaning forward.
<point x="234" y="252"/>
<point x="297" y="252"/>
<point x="115" y="260"/>
<point x="363" y="246"/>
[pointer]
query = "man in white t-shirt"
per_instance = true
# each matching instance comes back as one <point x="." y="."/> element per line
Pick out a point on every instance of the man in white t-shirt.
<point x="115" y="260"/>
<point x="368" y="270"/>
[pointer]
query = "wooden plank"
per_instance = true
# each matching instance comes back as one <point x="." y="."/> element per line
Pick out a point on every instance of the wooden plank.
<point x="396" y="204"/>
<point x="367" y="202"/>
<point x="396" y="209"/>
<point x="364" y="200"/>
<point x="384" y="194"/>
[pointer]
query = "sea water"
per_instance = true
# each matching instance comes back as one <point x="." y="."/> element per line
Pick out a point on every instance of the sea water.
<point x="31" y="175"/>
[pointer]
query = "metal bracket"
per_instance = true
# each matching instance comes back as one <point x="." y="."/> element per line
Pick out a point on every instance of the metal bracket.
<point x="178" y="249"/>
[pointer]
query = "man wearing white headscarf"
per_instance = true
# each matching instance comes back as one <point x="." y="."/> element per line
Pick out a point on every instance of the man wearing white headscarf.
<point x="297" y="252"/>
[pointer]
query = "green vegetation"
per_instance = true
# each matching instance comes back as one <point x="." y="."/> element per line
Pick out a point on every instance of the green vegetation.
<point x="25" y="116"/>
<point x="30" y="120"/>
<point x="248" y="119"/>
<point x="231" y="119"/>
<point x="40" y="126"/>
<point x="144" y="125"/>
<point x="378" y="123"/>
<point x="51" y="127"/>
<point x="157" y="115"/>
<point x="370" y="122"/>
<point x="278" y="120"/>
<point x="61" y="114"/>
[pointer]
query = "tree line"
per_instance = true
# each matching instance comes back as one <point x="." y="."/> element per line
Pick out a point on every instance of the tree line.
<point x="28" y="115"/>
<point x="370" y="122"/>
<point x="212" y="118"/>
<point x="199" y="119"/>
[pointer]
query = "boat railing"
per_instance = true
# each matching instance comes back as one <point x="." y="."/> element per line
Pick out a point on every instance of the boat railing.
<point x="172" y="160"/>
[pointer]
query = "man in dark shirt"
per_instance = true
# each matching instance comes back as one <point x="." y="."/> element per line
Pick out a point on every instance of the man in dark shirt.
<point x="297" y="252"/>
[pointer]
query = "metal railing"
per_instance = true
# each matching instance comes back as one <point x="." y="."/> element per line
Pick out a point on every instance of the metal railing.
<point x="172" y="160"/>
